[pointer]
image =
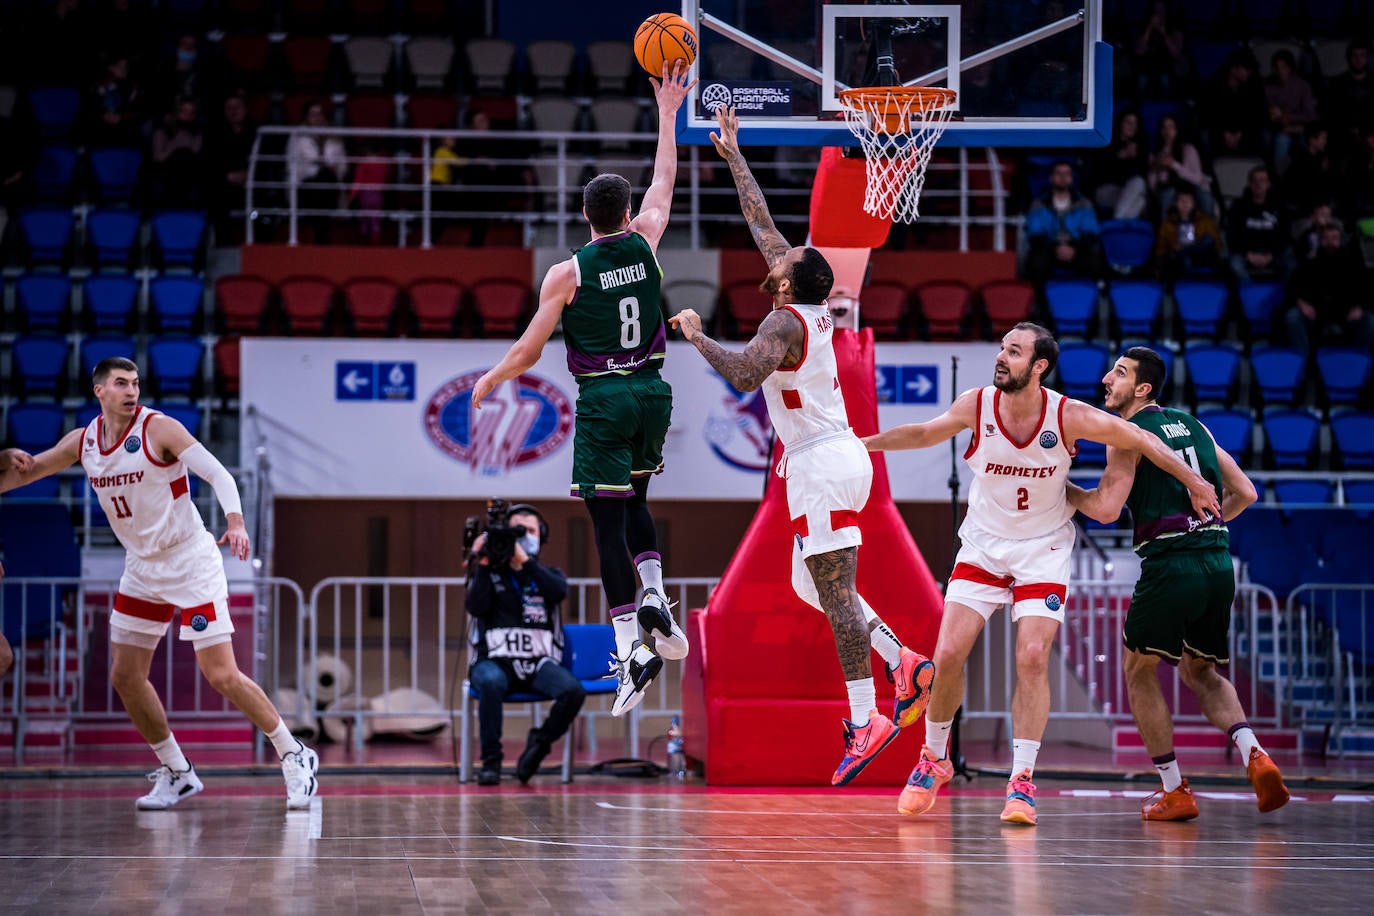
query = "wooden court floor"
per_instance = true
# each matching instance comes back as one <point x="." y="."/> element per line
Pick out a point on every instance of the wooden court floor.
<point x="422" y="844"/>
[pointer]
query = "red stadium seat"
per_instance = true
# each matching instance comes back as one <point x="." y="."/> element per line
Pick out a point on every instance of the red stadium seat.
<point x="883" y="307"/>
<point x="226" y="357"/>
<point x="371" y="109"/>
<point x="307" y="58"/>
<point x="502" y="306"/>
<point x="1006" y="303"/>
<point x="247" y="57"/>
<point x="746" y="305"/>
<point x="371" y="304"/>
<point x="946" y="307"/>
<point x="431" y="112"/>
<point x="241" y="302"/>
<point x="306" y="302"/>
<point x="435" y="303"/>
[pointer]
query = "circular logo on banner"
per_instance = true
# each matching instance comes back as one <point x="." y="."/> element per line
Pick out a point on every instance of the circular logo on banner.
<point x="132" y="444"/>
<point x="508" y="431"/>
<point x="1048" y="439"/>
<point x="715" y="95"/>
<point x="199" y="623"/>
<point x="1053" y="601"/>
<point x="738" y="429"/>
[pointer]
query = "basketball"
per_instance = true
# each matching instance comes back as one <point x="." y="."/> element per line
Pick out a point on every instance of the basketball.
<point x="666" y="36"/>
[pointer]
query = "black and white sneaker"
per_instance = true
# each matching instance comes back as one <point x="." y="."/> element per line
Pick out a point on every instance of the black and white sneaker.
<point x="298" y="768"/>
<point x="633" y="676"/>
<point x="656" y="617"/>
<point x="169" y="787"/>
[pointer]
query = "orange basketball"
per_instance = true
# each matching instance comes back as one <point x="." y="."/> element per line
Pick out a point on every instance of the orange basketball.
<point x="666" y="36"/>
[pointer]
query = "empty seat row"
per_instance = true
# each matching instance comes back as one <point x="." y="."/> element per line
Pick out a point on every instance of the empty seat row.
<point x="1137" y="306"/>
<point x="109" y="302"/>
<point x="112" y="237"/>
<point x="40" y="364"/>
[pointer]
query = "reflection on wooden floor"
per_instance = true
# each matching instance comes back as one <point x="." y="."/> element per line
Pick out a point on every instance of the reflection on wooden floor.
<point x="407" y="844"/>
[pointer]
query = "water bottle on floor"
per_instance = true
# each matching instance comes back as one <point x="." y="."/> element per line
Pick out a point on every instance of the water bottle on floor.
<point x="677" y="756"/>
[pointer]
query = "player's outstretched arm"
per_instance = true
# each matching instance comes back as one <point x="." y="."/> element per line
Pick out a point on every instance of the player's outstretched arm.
<point x="654" y="210"/>
<point x="1104" y="502"/>
<point x="751" y="202"/>
<point x="962" y="414"/>
<point x="169" y="439"/>
<point x="559" y="285"/>
<point x="777" y="333"/>
<point x="1084" y="422"/>
<point x="20" y="468"/>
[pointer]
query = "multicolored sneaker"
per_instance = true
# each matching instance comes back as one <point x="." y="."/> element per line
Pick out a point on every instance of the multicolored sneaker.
<point x="918" y="796"/>
<point x="1177" y="805"/>
<point x="912" y="679"/>
<point x="861" y="744"/>
<point x="1020" y="806"/>
<point x="1270" y="792"/>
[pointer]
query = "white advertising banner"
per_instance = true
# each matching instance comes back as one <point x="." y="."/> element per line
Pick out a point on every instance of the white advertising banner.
<point x="392" y="418"/>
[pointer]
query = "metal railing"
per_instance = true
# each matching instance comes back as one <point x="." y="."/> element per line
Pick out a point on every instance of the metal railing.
<point x="1335" y="650"/>
<point x="544" y="174"/>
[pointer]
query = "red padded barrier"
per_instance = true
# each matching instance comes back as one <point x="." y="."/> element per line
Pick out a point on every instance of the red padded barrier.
<point x="763" y="694"/>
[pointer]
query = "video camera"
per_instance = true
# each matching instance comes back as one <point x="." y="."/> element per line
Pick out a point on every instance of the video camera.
<point x="499" y="548"/>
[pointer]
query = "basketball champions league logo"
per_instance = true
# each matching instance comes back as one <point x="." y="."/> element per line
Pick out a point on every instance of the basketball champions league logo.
<point x="524" y="420"/>
<point x="738" y="429"/>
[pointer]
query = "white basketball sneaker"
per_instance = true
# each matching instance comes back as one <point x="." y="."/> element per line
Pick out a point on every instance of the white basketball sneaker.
<point x="656" y="617"/>
<point x="169" y="787"/>
<point x="298" y="767"/>
<point x="633" y="676"/>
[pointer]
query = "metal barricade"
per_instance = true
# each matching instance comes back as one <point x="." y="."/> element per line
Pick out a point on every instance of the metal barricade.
<point x="1332" y="656"/>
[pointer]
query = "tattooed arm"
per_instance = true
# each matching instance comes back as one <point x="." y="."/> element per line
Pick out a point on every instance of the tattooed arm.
<point x="766" y="235"/>
<point x="779" y="334"/>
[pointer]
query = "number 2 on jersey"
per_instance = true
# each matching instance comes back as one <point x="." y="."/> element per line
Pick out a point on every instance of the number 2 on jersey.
<point x="121" y="507"/>
<point x="629" y="322"/>
<point x="1022" y="499"/>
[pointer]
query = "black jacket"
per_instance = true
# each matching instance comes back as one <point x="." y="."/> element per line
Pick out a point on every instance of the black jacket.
<point x="513" y="616"/>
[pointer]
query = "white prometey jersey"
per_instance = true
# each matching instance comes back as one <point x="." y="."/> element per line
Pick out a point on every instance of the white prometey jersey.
<point x="147" y="500"/>
<point x="1019" y="488"/>
<point x="805" y="401"/>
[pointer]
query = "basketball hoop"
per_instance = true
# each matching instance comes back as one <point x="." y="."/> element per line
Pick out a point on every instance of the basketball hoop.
<point x="898" y="127"/>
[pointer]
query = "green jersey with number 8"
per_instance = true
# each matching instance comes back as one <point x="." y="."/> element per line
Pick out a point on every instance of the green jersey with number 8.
<point x="614" y="325"/>
<point x="1160" y="505"/>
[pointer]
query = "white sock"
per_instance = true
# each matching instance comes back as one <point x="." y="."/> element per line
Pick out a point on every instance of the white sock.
<point x="880" y="637"/>
<point x="650" y="566"/>
<point x="863" y="697"/>
<point x="626" y="631"/>
<point x="937" y="737"/>
<point x="170" y="755"/>
<point x="1167" y="767"/>
<point x="1023" y="754"/>
<point x="282" y="739"/>
<point x="1244" y="738"/>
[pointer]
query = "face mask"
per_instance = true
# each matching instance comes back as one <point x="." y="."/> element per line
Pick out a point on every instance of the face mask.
<point x="530" y="544"/>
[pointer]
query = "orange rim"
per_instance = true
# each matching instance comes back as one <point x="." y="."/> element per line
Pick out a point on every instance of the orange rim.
<point x="915" y="99"/>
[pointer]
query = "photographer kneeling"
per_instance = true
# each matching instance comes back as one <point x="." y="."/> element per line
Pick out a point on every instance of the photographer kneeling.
<point x="517" y="638"/>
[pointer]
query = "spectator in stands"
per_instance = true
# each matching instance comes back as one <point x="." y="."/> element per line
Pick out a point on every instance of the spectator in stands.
<point x="183" y="80"/>
<point x="1062" y="230"/>
<point x="1349" y="97"/>
<point x="445" y="164"/>
<point x="1292" y="106"/>
<point x="230" y="145"/>
<point x="1258" y="234"/>
<point x="1358" y="181"/>
<point x="319" y="165"/>
<point x="491" y="176"/>
<point x="115" y="108"/>
<point x="178" y="167"/>
<point x="1312" y="175"/>
<point x="1307" y="230"/>
<point x="1162" y="65"/>
<point x="1189" y="239"/>
<point x="1234" y="100"/>
<point x="370" y="175"/>
<point x="1174" y="163"/>
<point x="1118" y="171"/>
<point x="517" y="641"/>
<point x="1331" y="297"/>
<point x="1236" y="139"/>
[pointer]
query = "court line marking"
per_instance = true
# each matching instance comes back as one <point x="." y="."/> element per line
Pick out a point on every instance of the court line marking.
<point x="1211" y="841"/>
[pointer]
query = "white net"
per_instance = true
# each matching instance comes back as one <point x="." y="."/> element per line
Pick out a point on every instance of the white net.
<point x="898" y="127"/>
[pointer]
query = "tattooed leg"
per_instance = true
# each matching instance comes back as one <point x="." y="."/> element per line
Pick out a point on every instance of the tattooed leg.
<point x="833" y="574"/>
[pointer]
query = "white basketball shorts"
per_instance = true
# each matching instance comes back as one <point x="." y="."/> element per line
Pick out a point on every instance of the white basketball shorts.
<point x="1030" y="573"/>
<point x="188" y="577"/>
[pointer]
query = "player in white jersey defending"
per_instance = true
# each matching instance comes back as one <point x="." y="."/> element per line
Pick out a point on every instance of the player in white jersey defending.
<point x="826" y="468"/>
<point x="1016" y="541"/>
<point x="137" y="459"/>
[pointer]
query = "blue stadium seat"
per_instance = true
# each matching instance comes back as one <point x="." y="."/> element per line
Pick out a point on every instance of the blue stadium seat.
<point x="42" y="301"/>
<point x="1201" y="306"/>
<point x="1166" y="355"/>
<point x="53" y="172"/>
<point x="1260" y="301"/>
<point x="47" y="232"/>
<point x="34" y="426"/>
<point x="1073" y="306"/>
<point x="1291" y="436"/>
<point x="1127" y="244"/>
<point x="1090" y="454"/>
<point x="179" y="236"/>
<point x="1212" y="372"/>
<point x="1253" y="527"/>
<point x="1279" y="564"/>
<point x="177" y="303"/>
<point x="1233" y="431"/>
<point x="1304" y="492"/>
<point x="39" y="540"/>
<point x="1136" y="306"/>
<point x="189" y="415"/>
<point x="175" y="366"/>
<point x="109" y="301"/>
<point x="1264" y="17"/>
<point x="1278" y="374"/>
<point x="1153" y="111"/>
<point x="1344" y="372"/>
<point x="87" y="412"/>
<point x="116" y="173"/>
<point x="40" y="364"/>
<point x="1208" y="56"/>
<point x="112" y="235"/>
<point x="1081" y="368"/>
<point x="55" y="109"/>
<point x="1359" y="493"/>
<point x="102" y="346"/>
<point x="1352" y="435"/>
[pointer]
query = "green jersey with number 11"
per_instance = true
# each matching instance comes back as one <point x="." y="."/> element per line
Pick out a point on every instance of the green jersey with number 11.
<point x="614" y="325"/>
<point x="1163" y="512"/>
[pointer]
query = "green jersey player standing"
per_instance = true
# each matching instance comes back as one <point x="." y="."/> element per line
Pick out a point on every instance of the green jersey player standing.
<point x="607" y="296"/>
<point x="1181" y="608"/>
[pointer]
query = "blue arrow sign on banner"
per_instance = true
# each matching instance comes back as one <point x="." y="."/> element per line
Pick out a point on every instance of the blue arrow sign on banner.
<point x="355" y="381"/>
<point x="919" y="385"/>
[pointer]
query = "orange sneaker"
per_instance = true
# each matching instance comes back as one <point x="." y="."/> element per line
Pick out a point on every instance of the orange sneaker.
<point x="1020" y="806"/>
<point x="861" y="744"/>
<point x="918" y="796"/>
<point x="1270" y="792"/>
<point x="912" y="678"/>
<point x="1177" y="805"/>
